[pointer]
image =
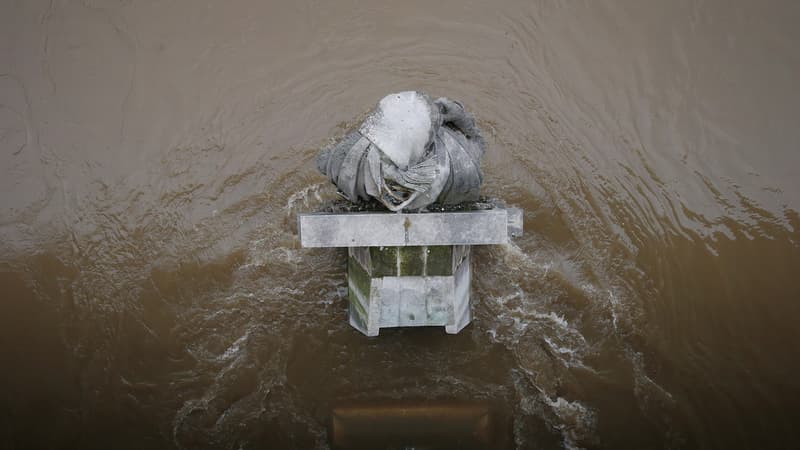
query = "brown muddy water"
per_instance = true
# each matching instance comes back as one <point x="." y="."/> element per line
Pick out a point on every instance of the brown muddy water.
<point x="155" y="155"/>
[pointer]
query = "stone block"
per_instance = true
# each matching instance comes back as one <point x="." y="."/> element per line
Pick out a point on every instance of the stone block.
<point x="439" y="260"/>
<point x="384" y="261"/>
<point x="411" y="261"/>
<point x="376" y="229"/>
<point x="409" y="269"/>
<point x="383" y="294"/>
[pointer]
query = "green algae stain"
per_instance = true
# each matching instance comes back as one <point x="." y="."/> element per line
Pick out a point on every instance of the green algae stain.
<point x="384" y="261"/>
<point x="440" y="260"/>
<point x="358" y="277"/>
<point x="412" y="261"/>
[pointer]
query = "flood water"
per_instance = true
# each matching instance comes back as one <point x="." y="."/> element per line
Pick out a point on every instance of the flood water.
<point x="155" y="155"/>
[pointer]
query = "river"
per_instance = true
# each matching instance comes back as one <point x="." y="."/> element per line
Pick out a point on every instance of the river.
<point x="154" y="155"/>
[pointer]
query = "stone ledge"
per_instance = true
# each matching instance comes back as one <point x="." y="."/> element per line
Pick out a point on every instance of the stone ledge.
<point x="388" y="229"/>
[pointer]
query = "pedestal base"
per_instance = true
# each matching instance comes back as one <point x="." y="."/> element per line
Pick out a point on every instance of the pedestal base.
<point x="408" y="287"/>
<point x="410" y="269"/>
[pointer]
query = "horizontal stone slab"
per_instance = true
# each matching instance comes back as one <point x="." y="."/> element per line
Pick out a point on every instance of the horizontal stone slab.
<point x="388" y="229"/>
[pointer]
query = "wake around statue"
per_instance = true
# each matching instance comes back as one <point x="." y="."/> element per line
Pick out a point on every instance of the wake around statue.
<point x="408" y="153"/>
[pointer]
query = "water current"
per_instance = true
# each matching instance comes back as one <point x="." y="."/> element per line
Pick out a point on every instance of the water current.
<point x="154" y="155"/>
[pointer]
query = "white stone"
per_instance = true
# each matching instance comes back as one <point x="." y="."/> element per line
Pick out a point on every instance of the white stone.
<point x="414" y="301"/>
<point x="387" y="229"/>
<point x="401" y="127"/>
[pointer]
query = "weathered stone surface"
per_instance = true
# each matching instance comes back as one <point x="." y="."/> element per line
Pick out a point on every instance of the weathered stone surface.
<point x="359" y="285"/>
<point x="412" y="261"/>
<point x="462" y="312"/>
<point x="422" y="279"/>
<point x="388" y="229"/>
<point x="384" y="261"/>
<point x="401" y="127"/>
<point x="439" y="260"/>
<point x="408" y="153"/>
<point x="382" y="296"/>
<point x="362" y="256"/>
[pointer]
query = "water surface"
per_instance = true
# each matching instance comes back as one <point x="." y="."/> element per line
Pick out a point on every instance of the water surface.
<point x="155" y="155"/>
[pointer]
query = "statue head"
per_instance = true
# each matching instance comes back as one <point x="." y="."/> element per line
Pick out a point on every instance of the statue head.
<point x="402" y="127"/>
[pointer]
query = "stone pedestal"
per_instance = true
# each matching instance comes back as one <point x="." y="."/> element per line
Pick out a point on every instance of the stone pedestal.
<point x="409" y="287"/>
<point x="407" y="270"/>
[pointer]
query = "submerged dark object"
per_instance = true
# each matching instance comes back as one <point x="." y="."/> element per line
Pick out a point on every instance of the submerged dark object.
<point x="408" y="153"/>
<point x="422" y="424"/>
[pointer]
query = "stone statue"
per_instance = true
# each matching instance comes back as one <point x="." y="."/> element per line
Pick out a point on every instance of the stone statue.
<point x="408" y="153"/>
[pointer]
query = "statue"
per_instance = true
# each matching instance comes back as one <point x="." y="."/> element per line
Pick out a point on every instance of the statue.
<point x="408" y="153"/>
<point x="409" y="266"/>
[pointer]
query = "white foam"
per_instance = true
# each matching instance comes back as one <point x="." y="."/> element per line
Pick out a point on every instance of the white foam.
<point x="303" y="196"/>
